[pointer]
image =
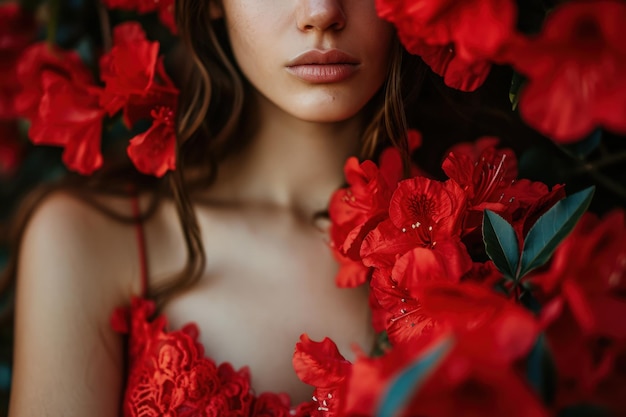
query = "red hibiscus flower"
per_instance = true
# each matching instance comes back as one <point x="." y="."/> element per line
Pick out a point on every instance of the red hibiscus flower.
<point x="575" y="71"/>
<point x="17" y="30"/>
<point x="320" y="364"/>
<point x="154" y="151"/>
<point x="70" y="116"/>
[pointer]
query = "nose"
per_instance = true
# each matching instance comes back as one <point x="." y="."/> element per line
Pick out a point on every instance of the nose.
<point x="320" y="15"/>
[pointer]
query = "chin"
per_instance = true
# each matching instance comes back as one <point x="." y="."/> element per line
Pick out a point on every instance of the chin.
<point x="329" y="109"/>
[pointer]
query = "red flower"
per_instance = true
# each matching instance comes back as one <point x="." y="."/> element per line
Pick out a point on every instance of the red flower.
<point x="154" y="151"/>
<point x="366" y="198"/>
<point x="484" y="176"/>
<point x="320" y="364"/>
<point x="575" y="71"/>
<point x="423" y="213"/>
<point x="504" y="329"/>
<point x="17" y="30"/>
<point x="351" y="273"/>
<point x="588" y="270"/>
<point x="456" y="39"/>
<point x="137" y="82"/>
<point x="41" y="58"/>
<point x="590" y="369"/>
<point x="465" y="382"/>
<point x="129" y="68"/>
<point x="390" y="161"/>
<point x="400" y="313"/>
<point x="70" y="116"/>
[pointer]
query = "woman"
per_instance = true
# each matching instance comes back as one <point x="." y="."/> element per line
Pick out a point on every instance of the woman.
<point x="312" y="82"/>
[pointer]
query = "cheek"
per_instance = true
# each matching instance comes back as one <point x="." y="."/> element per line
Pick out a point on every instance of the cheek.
<point x="251" y="31"/>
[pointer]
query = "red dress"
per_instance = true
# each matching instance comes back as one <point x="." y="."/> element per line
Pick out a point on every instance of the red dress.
<point x="169" y="375"/>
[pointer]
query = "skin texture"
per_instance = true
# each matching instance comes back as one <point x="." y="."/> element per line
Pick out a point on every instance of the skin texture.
<point x="269" y="274"/>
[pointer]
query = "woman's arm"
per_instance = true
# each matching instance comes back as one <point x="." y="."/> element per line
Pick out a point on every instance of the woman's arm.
<point x="74" y="268"/>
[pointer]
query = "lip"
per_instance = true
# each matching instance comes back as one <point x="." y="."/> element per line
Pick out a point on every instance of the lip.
<point x="323" y="66"/>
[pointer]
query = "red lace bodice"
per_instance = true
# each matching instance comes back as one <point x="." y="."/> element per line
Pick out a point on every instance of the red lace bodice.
<point x="168" y="374"/>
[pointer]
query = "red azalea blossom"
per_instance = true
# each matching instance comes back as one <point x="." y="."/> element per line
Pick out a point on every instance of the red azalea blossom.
<point x="465" y="382"/>
<point x="320" y="364"/>
<point x="70" y="116"/>
<point x="43" y="58"/>
<point x="588" y="270"/>
<point x="575" y="71"/>
<point x="464" y="75"/>
<point x="456" y="39"/>
<point x="390" y="160"/>
<point x="17" y="30"/>
<point x="423" y="213"/>
<point x="366" y="198"/>
<point x="351" y="273"/>
<point x="154" y="151"/>
<point x="397" y="310"/>
<point x="484" y="178"/>
<point x="129" y="68"/>
<point x="590" y="369"/>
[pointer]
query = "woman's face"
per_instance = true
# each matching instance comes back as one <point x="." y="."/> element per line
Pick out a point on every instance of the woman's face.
<point x="318" y="60"/>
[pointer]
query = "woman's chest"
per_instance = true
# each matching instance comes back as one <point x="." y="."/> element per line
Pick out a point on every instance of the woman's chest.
<point x="268" y="280"/>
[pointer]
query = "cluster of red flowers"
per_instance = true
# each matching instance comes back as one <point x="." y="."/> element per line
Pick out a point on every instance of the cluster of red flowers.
<point x="56" y="91"/>
<point x="414" y="241"/>
<point x="573" y="71"/>
<point x="574" y="66"/>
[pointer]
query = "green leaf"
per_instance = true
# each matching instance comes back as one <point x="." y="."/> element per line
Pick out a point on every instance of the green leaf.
<point x="500" y="243"/>
<point x="541" y="372"/>
<point x="405" y="385"/>
<point x="551" y="228"/>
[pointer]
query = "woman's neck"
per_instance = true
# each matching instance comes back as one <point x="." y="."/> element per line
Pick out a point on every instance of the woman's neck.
<point x="288" y="163"/>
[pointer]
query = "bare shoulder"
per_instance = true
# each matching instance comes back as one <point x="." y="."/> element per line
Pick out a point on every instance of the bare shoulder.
<point x="75" y="266"/>
<point x="81" y="245"/>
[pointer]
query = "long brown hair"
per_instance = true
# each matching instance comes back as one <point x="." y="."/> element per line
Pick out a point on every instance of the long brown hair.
<point x="211" y="106"/>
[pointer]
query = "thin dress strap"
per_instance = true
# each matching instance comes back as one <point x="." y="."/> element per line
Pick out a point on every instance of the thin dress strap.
<point x="141" y="246"/>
